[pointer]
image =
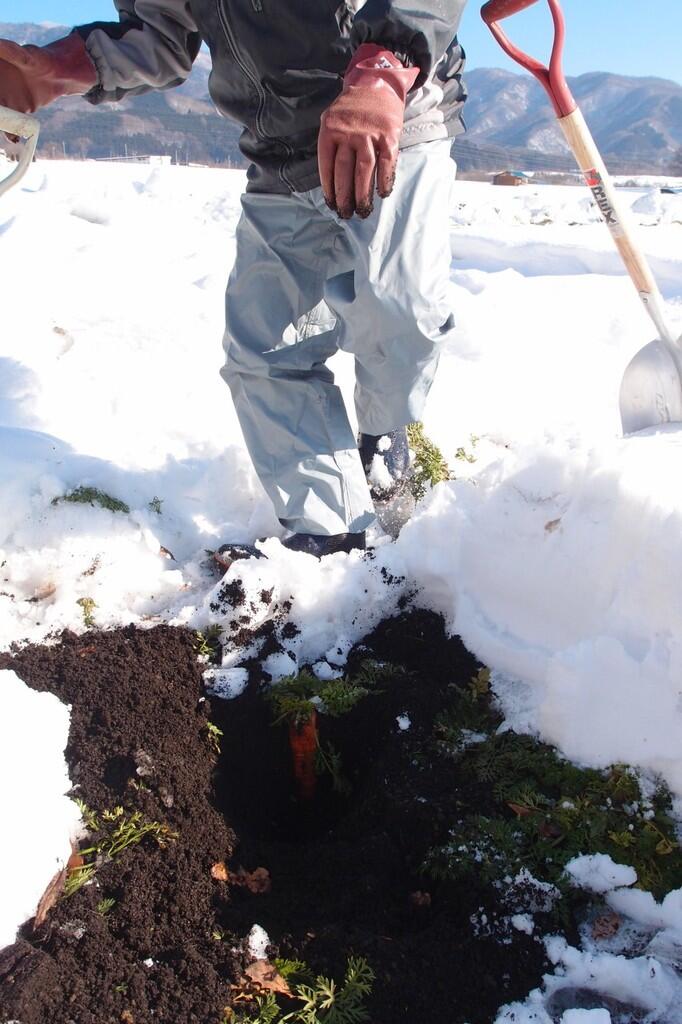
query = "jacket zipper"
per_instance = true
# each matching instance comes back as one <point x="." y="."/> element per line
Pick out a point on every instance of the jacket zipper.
<point x="227" y="29"/>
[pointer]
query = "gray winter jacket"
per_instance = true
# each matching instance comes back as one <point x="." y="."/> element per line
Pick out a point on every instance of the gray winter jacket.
<point x="278" y="64"/>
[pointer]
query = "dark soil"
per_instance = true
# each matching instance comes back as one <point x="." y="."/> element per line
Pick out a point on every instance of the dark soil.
<point x="346" y="871"/>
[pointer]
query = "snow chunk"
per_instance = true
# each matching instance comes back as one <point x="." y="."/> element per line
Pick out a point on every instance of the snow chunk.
<point x="324" y="671"/>
<point x="38" y="820"/>
<point x="227" y="683"/>
<point x="280" y="665"/>
<point x="642" y="981"/>
<point x="333" y="602"/>
<point x="523" y="923"/>
<point x="258" y="940"/>
<point x="534" y="896"/>
<point x="379" y="474"/>
<point x="338" y="654"/>
<point x="532" y="1011"/>
<point x="586" y="1017"/>
<point x="404" y="722"/>
<point x="469" y="738"/>
<point x="598" y="873"/>
<point x="645" y="911"/>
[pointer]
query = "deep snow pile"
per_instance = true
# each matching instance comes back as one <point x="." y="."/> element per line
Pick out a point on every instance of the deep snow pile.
<point x="555" y="553"/>
<point x="561" y="568"/>
<point x="38" y="820"/>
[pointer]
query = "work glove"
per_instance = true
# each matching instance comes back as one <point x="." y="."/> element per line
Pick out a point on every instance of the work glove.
<point x="360" y="131"/>
<point x="33" y="76"/>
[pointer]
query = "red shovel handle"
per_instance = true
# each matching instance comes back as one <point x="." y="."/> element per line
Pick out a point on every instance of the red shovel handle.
<point x="551" y="78"/>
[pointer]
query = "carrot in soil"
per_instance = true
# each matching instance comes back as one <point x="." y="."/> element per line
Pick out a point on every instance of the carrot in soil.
<point x="304" y="742"/>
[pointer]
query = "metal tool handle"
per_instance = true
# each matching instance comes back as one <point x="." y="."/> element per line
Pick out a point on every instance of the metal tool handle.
<point x="25" y="127"/>
<point x="585" y="150"/>
<point x="551" y="78"/>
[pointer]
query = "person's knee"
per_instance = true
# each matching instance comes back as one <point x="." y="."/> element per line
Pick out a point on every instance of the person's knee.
<point x="235" y="369"/>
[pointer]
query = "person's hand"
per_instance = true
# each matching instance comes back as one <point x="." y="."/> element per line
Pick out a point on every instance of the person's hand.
<point x="33" y="76"/>
<point x="360" y="131"/>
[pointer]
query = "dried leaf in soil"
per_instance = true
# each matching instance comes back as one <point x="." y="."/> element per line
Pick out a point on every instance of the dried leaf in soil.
<point x="56" y="887"/>
<point x="606" y="926"/>
<point x="520" y="810"/>
<point x="50" y="897"/>
<point x="265" y="975"/>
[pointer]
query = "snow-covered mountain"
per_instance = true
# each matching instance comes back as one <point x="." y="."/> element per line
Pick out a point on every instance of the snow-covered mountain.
<point x="633" y="119"/>
<point x="637" y="121"/>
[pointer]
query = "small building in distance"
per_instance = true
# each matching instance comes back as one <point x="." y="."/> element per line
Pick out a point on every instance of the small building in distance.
<point x="511" y="178"/>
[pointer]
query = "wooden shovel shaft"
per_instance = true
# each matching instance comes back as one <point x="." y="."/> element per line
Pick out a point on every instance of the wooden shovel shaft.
<point x="600" y="183"/>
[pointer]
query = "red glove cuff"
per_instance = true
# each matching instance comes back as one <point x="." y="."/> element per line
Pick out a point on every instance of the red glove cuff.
<point x="371" y="63"/>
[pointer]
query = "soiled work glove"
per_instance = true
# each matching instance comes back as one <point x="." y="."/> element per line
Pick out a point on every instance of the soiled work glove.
<point x="33" y="76"/>
<point x="360" y="131"/>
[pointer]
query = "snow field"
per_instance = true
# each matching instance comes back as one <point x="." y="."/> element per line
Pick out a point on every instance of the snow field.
<point x="555" y="553"/>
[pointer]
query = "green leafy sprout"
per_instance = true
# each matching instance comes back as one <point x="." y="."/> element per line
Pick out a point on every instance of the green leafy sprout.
<point x="295" y="698"/>
<point x="88" y="606"/>
<point x="322" y="1000"/>
<point x="214" y="736"/>
<point x="113" y="831"/>
<point x="540" y="810"/>
<point x="93" y="496"/>
<point x="462" y="455"/>
<point x="429" y="467"/>
<point x="208" y="643"/>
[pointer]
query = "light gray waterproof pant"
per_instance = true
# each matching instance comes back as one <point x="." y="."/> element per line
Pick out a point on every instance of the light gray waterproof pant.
<point x="305" y="284"/>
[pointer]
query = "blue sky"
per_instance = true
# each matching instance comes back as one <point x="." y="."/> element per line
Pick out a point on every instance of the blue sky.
<point x="625" y="36"/>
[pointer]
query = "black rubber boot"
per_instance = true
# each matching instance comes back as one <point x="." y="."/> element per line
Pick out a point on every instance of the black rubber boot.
<point x="309" y="543"/>
<point x="386" y="462"/>
<point x="312" y="544"/>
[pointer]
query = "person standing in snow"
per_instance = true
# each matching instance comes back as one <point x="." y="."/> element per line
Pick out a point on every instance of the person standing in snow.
<point x="332" y="96"/>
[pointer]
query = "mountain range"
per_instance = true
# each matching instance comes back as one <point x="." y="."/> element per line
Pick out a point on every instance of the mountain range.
<point x="637" y="122"/>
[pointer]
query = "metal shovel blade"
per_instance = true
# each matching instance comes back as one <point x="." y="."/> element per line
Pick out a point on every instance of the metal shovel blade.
<point x="651" y="389"/>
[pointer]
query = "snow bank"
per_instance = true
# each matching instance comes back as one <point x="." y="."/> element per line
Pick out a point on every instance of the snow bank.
<point x="560" y="568"/>
<point x="598" y="873"/>
<point x="38" y="820"/>
<point x="334" y="603"/>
